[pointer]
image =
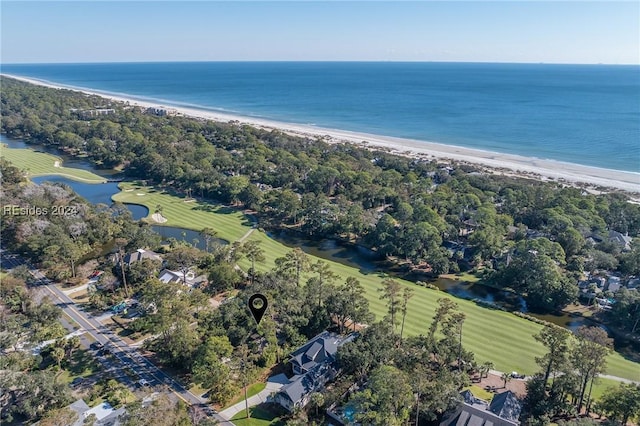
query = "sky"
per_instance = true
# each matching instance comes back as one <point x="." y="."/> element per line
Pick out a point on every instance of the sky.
<point x="468" y="31"/>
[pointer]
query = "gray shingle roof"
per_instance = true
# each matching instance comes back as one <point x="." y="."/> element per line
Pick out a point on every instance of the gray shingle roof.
<point x="506" y="405"/>
<point x="321" y="348"/>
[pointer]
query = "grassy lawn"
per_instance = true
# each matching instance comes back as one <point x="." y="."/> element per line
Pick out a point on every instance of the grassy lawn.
<point x="42" y="164"/>
<point x="82" y="364"/>
<point x="251" y="390"/>
<point x="80" y="296"/>
<point x="261" y="415"/>
<point x="601" y="386"/>
<point x="230" y="224"/>
<point x="492" y="335"/>
<point x="478" y="392"/>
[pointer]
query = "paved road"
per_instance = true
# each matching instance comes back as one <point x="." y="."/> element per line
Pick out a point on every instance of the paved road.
<point x="117" y="347"/>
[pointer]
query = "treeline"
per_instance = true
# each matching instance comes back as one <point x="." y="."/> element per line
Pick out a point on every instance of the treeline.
<point x="402" y="207"/>
<point x="562" y="388"/>
<point x="55" y="228"/>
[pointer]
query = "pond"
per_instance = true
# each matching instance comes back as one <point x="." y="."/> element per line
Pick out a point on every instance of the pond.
<point x="68" y="160"/>
<point x="365" y="260"/>
<point x="95" y="193"/>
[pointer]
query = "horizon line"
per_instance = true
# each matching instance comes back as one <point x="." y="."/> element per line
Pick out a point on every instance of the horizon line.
<point x="318" y="61"/>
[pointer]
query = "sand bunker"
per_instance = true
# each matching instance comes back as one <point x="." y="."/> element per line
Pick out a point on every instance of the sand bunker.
<point x="158" y="218"/>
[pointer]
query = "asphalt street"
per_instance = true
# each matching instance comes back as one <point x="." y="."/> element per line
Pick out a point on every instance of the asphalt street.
<point x="124" y="356"/>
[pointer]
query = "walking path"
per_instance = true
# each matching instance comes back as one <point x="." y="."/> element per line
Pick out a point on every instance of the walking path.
<point x="603" y="376"/>
<point x="273" y="385"/>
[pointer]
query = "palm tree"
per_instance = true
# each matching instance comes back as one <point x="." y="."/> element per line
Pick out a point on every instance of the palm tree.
<point x="316" y="399"/>
<point x="485" y="368"/>
<point x="58" y="355"/>
<point x="506" y="377"/>
<point x="71" y="345"/>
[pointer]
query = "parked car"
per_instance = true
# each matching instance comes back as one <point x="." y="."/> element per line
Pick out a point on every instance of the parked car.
<point x="515" y="375"/>
<point x="96" y="274"/>
<point x="97" y="346"/>
<point x="77" y="382"/>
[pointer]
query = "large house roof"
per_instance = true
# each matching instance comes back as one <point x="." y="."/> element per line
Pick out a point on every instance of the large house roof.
<point x="467" y="415"/>
<point x="506" y="405"/>
<point x="503" y="411"/>
<point x="320" y="349"/>
<point x="140" y="254"/>
<point x="311" y="381"/>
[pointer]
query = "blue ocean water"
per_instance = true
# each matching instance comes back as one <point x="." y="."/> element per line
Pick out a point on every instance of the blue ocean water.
<point x="585" y="114"/>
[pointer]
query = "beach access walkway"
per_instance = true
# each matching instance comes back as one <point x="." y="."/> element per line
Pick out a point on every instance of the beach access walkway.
<point x="274" y="384"/>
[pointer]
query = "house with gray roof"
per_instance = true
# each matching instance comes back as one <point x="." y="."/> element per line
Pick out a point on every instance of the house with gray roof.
<point x="506" y="405"/>
<point x="103" y="414"/>
<point x="621" y="240"/>
<point x="313" y="365"/>
<point x="139" y="255"/>
<point x="504" y="410"/>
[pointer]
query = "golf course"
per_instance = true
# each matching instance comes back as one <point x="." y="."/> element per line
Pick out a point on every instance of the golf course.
<point x="43" y="164"/>
<point x="493" y="335"/>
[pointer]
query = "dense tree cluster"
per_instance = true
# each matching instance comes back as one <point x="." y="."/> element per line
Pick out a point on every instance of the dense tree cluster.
<point x="56" y="228"/>
<point x="404" y="208"/>
<point x="399" y="206"/>
<point x="568" y="371"/>
<point x="28" y="388"/>
<point x="404" y="378"/>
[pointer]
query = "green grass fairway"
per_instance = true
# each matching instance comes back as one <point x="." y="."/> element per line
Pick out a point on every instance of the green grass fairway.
<point x="42" y="164"/>
<point x="492" y="335"/>
<point x="230" y="224"/>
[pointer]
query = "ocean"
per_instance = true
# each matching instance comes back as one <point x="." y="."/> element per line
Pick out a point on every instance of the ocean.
<point x="584" y="114"/>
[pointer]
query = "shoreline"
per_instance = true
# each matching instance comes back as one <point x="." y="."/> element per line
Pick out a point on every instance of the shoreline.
<point x="497" y="163"/>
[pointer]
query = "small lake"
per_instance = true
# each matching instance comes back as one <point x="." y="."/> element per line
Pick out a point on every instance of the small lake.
<point x="68" y="160"/>
<point x="365" y="260"/>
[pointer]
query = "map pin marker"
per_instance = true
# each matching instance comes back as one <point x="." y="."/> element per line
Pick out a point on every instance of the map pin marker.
<point x="258" y="305"/>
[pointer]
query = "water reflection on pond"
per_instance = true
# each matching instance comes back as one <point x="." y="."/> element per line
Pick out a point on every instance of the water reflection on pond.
<point x="192" y="237"/>
<point x="365" y="260"/>
<point x="95" y="193"/>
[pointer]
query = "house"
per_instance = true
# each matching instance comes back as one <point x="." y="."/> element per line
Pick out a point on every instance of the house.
<point x="90" y="113"/>
<point x="634" y="282"/>
<point x="504" y="410"/>
<point x="139" y="255"/>
<point x="190" y="278"/>
<point x="296" y="393"/>
<point x="621" y="240"/>
<point x="506" y="405"/>
<point x="615" y="237"/>
<point x="472" y="415"/>
<point x="161" y="111"/>
<point x="613" y="283"/>
<point x="320" y="349"/>
<point x="103" y="413"/>
<point x="313" y="365"/>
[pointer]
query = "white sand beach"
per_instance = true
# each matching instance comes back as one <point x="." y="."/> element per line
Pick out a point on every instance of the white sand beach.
<point x="508" y="164"/>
